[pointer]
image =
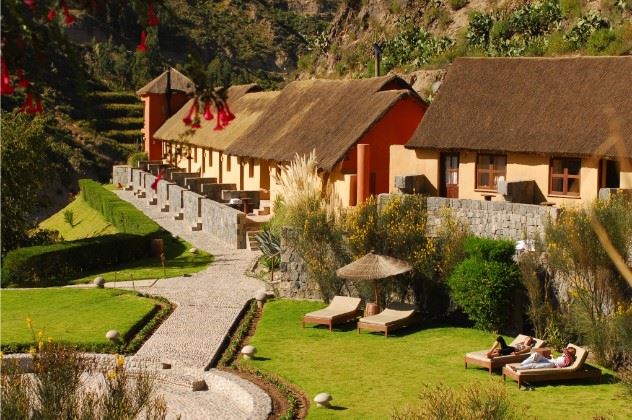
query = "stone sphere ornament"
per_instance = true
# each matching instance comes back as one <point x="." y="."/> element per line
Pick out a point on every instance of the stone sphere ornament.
<point x="248" y="352"/>
<point x="99" y="282"/>
<point x="261" y="297"/>
<point x="323" y="400"/>
<point x="112" y="335"/>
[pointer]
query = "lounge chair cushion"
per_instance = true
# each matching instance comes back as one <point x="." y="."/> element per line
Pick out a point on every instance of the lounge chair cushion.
<point x="394" y="313"/>
<point x="339" y="305"/>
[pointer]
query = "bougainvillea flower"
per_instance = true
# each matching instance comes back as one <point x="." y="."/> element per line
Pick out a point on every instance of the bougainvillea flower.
<point x="152" y="19"/>
<point x="6" y="88"/>
<point x="142" y="47"/>
<point x="31" y="4"/>
<point x="69" y="18"/>
<point x="52" y="14"/>
<point x="208" y="115"/>
<point x="187" y="120"/>
<point x="154" y="185"/>
<point x="196" y="124"/>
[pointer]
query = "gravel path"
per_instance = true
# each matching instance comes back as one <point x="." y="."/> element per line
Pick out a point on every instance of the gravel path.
<point x="208" y="303"/>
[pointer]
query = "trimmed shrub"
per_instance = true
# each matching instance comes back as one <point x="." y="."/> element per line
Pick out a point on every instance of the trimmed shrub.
<point x="53" y="265"/>
<point x="134" y="158"/>
<point x="483" y="283"/>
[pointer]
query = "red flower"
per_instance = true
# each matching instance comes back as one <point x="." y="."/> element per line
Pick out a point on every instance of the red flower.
<point x="52" y="13"/>
<point x="31" y="4"/>
<point x="196" y="124"/>
<point x="6" y="88"/>
<point x="187" y="120"/>
<point x="208" y="115"/>
<point x="228" y="116"/>
<point x="142" y="47"/>
<point x="152" y="19"/>
<point x="39" y="106"/>
<point x="69" y="18"/>
<point x="28" y="106"/>
<point x="154" y="185"/>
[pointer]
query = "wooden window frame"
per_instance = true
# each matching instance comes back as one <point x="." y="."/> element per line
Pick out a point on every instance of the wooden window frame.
<point x="565" y="176"/>
<point x="491" y="170"/>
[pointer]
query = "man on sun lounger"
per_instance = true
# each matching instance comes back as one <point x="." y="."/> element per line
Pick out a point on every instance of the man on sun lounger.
<point x="538" y="361"/>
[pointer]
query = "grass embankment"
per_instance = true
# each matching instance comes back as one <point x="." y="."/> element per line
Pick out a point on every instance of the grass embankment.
<point x="369" y="376"/>
<point x="79" y="317"/>
<point x="88" y="223"/>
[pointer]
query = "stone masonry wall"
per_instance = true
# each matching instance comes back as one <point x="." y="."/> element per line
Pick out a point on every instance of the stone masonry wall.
<point x="175" y="198"/>
<point x="497" y="220"/>
<point x="192" y="207"/>
<point x="493" y="219"/>
<point x="219" y="220"/>
<point x="223" y="222"/>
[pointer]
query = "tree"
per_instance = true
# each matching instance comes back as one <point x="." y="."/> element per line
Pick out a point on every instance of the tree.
<point x="25" y="172"/>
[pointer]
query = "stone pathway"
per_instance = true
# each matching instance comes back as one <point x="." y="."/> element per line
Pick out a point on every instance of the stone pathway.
<point x="208" y="303"/>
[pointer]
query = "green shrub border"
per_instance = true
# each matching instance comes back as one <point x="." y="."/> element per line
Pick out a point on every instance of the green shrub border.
<point x="230" y="354"/>
<point x="54" y="265"/>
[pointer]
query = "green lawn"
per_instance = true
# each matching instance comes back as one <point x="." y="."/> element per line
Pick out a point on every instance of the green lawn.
<point x="77" y="316"/>
<point x="368" y="375"/>
<point x="87" y="222"/>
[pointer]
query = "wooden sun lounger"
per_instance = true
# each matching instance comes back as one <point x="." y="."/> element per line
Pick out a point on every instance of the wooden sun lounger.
<point x="578" y="370"/>
<point x="341" y="309"/>
<point x="397" y="315"/>
<point x="479" y="358"/>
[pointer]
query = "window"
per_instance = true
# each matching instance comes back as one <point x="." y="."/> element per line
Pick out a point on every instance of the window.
<point x="489" y="168"/>
<point x="564" y="179"/>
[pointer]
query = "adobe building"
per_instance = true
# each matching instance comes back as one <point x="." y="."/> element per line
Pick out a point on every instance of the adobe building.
<point x="163" y="96"/>
<point x="350" y="123"/>
<point x="532" y="130"/>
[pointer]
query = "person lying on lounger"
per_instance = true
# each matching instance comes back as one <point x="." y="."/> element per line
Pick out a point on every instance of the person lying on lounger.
<point x="500" y="347"/>
<point x="537" y="361"/>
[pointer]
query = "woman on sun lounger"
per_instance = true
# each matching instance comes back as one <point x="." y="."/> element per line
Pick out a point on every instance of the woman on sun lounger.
<point x="500" y="347"/>
<point x="537" y="361"/>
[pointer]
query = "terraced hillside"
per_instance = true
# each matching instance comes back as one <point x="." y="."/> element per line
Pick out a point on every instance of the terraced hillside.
<point x="118" y="116"/>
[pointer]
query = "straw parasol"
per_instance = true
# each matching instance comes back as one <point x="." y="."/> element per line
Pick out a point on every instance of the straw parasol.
<point x="373" y="267"/>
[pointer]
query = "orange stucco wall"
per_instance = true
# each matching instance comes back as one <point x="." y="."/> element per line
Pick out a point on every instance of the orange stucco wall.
<point x="155" y="116"/>
<point x="395" y="128"/>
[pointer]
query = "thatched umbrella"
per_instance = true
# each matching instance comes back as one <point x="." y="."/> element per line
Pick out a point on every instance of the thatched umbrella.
<point x="373" y="267"/>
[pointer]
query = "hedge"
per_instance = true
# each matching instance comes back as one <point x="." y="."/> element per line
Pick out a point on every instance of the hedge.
<point x="54" y="265"/>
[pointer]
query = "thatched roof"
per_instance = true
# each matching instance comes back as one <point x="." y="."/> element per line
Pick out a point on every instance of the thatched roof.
<point x="179" y="82"/>
<point x="327" y="115"/>
<point x="245" y="101"/>
<point x="533" y="105"/>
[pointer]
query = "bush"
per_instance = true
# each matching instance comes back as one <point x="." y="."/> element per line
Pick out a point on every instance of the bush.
<point x="49" y="265"/>
<point x="58" y="388"/>
<point x="458" y="4"/>
<point x="596" y="297"/>
<point x="475" y="401"/>
<point x="482" y="284"/>
<point x="134" y="158"/>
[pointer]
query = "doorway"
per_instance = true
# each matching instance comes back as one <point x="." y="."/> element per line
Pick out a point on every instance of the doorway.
<point x="449" y="175"/>
<point x="610" y="174"/>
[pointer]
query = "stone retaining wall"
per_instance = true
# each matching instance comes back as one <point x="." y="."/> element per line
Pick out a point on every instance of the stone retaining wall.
<point x="195" y="184"/>
<point x="192" y="208"/>
<point x="214" y="191"/>
<point x="223" y="222"/>
<point x="175" y="198"/>
<point x="493" y="219"/>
